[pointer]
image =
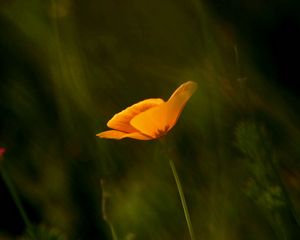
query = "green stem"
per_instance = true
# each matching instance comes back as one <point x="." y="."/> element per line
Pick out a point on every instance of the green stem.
<point x="182" y="198"/>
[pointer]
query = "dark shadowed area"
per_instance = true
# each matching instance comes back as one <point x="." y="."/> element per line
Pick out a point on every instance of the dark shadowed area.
<point x="67" y="66"/>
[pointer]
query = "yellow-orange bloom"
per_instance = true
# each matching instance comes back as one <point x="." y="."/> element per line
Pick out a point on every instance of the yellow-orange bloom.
<point x="150" y="118"/>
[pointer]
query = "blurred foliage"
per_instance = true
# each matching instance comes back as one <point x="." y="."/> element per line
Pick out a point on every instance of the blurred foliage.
<point x="264" y="185"/>
<point x="42" y="233"/>
<point x="66" y="66"/>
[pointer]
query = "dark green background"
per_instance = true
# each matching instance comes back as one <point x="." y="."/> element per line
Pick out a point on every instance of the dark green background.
<point x="67" y="66"/>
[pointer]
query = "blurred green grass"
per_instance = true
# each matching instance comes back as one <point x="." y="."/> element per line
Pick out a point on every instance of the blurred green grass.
<point x="68" y="66"/>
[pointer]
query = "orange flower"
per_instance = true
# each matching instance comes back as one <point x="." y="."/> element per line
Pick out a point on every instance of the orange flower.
<point x="150" y="118"/>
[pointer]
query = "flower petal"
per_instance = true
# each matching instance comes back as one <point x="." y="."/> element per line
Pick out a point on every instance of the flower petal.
<point x="114" y="134"/>
<point x="121" y="120"/>
<point x="178" y="100"/>
<point x="158" y="120"/>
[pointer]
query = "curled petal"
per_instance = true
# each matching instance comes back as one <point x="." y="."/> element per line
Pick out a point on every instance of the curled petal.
<point x="114" y="134"/>
<point x="121" y="120"/>
<point x="158" y="120"/>
<point x="178" y="100"/>
<point x="152" y="122"/>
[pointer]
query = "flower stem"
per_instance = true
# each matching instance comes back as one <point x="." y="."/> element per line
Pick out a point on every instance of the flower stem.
<point x="182" y="199"/>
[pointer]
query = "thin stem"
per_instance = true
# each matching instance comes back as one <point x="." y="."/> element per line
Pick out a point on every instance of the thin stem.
<point x="182" y="198"/>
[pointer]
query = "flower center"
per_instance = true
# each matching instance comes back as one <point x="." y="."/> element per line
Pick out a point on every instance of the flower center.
<point x="161" y="132"/>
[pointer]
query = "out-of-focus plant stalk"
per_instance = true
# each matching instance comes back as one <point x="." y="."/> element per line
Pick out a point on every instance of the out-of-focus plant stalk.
<point x="15" y="196"/>
<point x="104" y="199"/>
